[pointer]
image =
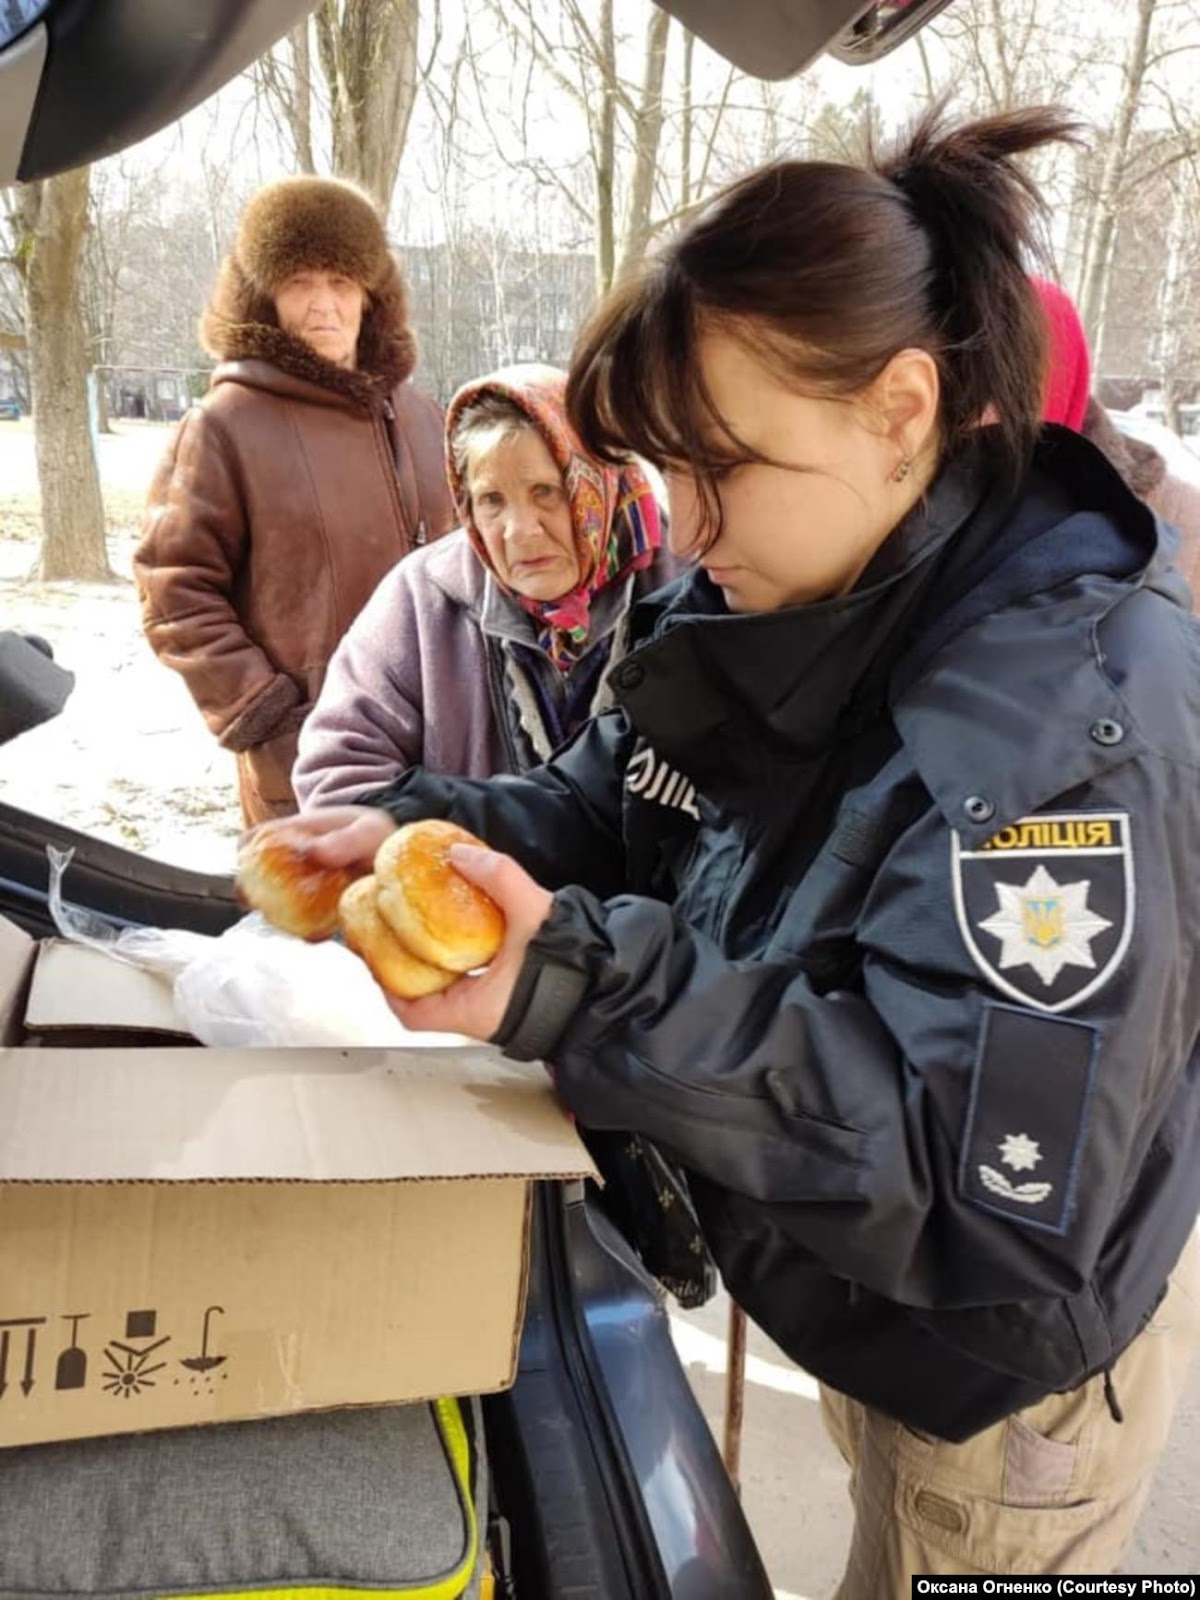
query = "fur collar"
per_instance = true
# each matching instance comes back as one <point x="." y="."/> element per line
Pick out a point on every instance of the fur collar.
<point x="255" y="341"/>
<point x="239" y="324"/>
<point x="1139" y="463"/>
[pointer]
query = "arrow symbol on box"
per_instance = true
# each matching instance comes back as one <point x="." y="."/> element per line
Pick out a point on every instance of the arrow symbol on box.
<point x="30" y="1345"/>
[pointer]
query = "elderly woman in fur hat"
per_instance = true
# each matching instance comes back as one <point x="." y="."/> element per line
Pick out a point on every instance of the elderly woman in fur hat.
<point x="482" y="655"/>
<point x="308" y="470"/>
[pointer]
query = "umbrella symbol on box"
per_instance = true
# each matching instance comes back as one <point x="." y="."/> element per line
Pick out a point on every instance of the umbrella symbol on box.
<point x="204" y="1362"/>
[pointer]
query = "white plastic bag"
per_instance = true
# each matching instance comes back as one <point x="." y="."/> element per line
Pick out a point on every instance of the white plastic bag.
<point x="257" y="986"/>
<point x="252" y="985"/>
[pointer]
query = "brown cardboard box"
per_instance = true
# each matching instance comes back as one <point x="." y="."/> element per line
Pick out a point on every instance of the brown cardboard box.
<point x="191" y="1235"/>
<point x="79" y="996"/>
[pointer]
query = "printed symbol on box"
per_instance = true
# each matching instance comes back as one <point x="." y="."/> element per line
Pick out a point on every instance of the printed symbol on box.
<point x="71" y="1371"/>
<point x="7" y="1327"/>
<point x="202" y="1366"/>
<point x="128" y="1373"/>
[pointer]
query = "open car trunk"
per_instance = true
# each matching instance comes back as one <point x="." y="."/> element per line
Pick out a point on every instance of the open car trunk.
<point x="605" y="1481"/>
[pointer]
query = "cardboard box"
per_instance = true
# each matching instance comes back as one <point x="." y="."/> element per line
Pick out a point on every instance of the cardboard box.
<point x="79" y="996"/>
<point x="191" y="1235"/>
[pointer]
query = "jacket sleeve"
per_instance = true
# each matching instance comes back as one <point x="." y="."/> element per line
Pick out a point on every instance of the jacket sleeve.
<point x="849" y="1112"/>
<point x="194" y="542"/>
<point x="561" y="821"/>
<point x="367" y="727"/>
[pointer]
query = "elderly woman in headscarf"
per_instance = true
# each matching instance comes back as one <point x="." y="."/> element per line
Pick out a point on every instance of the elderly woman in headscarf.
<point x="482" y="654"/>
<point x="309" y="468"/>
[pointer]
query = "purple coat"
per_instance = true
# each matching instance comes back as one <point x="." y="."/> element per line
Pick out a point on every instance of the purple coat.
<point x="428" y="676"/>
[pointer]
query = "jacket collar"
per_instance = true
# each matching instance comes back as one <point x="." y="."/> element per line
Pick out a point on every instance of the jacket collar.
<point x="789" y="680"/>
<point x="452" y="566"/>
<point x="1012" y="589"/>
<point x="267" y="358"/>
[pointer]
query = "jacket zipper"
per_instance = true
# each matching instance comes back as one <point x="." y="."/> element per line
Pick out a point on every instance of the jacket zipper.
<point x="413" y="536"/>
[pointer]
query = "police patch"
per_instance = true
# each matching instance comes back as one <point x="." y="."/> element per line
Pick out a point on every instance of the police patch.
<point x="1046" y="906"/>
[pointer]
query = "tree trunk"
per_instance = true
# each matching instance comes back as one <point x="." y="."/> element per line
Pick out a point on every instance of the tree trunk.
<point x="685" y="131"/>
<point x="300" y="105"/>
<point x="1103" y="234"/>
<point x="368" y="52"/>
<point x="606" y="155"/>
<point x="1171" y="312"/>
<point x="647" y="135"/>
<point x="73" y="541"/>
<point x="103" y="425"/>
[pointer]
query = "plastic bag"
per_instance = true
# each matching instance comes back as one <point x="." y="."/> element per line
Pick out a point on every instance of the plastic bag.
<point x="257" y="986"/>
<point x="163" y="950"/>
<point x="252" y="985"/>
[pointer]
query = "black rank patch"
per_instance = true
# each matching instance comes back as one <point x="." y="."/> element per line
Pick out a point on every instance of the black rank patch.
<point x="1027" y="1116"/>
<point x="1046" y="906"/>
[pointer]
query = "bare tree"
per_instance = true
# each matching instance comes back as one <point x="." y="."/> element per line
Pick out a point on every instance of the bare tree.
<point x="342" y="87"/>
<point x="284" y="76"/>
<point x="647" y="136"/>
<point x="1008" y="53"/>
<point x="1130" y="162"/>
<point x="368" y="53"/>
<point x="49" y="221"/>
<point x="616" y="87"/>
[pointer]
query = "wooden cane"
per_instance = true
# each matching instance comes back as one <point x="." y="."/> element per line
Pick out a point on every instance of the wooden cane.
<point x="735" y="1393"/>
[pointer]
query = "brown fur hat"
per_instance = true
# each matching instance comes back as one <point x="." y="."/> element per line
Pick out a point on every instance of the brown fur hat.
<point x="314" y="223"/>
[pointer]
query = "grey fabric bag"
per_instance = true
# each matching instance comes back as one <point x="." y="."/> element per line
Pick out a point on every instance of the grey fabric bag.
<point x="358" y="1499"/>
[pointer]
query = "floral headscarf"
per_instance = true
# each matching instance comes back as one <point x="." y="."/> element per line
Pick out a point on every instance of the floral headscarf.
<point x="616" y="518"/>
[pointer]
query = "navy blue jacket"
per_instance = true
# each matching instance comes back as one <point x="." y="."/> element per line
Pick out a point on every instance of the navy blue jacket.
<point x="882" y="916"/>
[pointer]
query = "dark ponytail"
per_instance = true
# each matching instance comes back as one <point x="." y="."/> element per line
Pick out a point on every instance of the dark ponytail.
<point x="981" y="212"/>
<point x="826" y="271"/>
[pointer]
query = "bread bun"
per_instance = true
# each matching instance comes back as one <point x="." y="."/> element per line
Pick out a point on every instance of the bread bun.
<point x="368" y="935"/>
<point x="279" y="877"/>
<point x="437" y="914"/>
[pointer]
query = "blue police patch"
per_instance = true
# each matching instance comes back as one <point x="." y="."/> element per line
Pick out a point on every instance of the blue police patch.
<point x="1027" y="1117"/>
<point x="1046" y="906"/>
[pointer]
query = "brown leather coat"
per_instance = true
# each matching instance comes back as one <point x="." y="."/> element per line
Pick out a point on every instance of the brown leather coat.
<point x="284" y="498"/>
<point x="1175" y="500"/>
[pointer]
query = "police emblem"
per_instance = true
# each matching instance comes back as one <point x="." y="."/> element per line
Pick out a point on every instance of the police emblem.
<point x="1045" y="907"/>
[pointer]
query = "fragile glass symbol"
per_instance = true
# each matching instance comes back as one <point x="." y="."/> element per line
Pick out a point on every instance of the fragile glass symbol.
<point x="204" y="1362"/>
<point x="128" y="1373"/>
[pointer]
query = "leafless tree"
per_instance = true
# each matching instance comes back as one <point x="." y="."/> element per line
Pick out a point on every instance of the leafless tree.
<point x="48" y="225"/>
<point x="614" y="82"/>
<point x="342" y="87"/>
<point x="1129" y="56"/>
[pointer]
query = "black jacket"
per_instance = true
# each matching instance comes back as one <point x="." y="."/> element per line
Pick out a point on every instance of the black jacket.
<point x="882" y="916"/>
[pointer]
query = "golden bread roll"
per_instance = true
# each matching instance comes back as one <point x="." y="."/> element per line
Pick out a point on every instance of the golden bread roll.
<point x="368" y="935"/>
<point x="280" y="878"/>
<point x="434" y="911"/>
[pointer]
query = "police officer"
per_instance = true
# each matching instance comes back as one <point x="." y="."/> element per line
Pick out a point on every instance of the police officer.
<point x="874" y="902"/>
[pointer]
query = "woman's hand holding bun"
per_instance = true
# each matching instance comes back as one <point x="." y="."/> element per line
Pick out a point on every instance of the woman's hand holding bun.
<point x="439" y="915"/>
<point x="278" y="875"/>
<point x="369" y="936"/>
<point x="417" y="920"/>
<point x="476" y="1004"/>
